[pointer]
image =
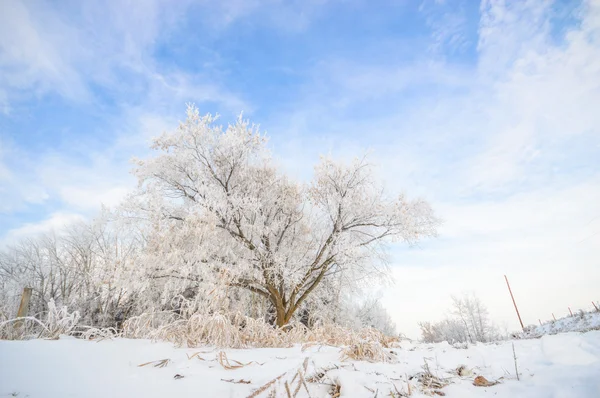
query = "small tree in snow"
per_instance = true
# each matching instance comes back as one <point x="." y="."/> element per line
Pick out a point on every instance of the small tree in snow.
<point x="219" y="207"/>
<point x="473" y="315"/>
<point x="469" y="323"/>
<point x="373" y="314"/>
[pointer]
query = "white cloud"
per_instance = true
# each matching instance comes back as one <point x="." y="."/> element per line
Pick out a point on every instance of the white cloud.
<point x="545" y="97"/>
<point x="90" y="197"/>
<point x="80" y="182"/>
<point x="16" y="192"/>
<point x="37" y="52"/>
<point x="55" y="222"/>
<point x="166" y="89"/>
<point x="45" y="51"/>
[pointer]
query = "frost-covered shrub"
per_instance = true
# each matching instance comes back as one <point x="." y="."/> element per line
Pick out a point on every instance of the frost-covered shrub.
<point x="469" y="323"/>
<point x="59" y="321"/>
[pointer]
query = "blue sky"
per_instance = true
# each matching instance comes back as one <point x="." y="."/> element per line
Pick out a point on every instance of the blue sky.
<point x="488" y="110"/>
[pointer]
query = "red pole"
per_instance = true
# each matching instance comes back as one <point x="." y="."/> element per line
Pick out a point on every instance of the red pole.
<point x="514" y="302"/>
<point x="570" y="311"/>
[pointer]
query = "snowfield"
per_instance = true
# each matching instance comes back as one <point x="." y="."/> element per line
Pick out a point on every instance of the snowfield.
<point x="565" y="365"/>
<point x="580" y="322"/>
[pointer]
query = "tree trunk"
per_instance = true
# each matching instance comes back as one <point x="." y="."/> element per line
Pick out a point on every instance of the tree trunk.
<point x="281" y="318"/>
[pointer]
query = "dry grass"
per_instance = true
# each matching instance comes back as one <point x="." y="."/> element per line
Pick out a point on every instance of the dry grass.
<point x="336" y="391"/>
<point x="291" y="387"/>
<point x="218" y="330"/>
<point x="240" y="381"/>
<point x="366" y="350"/>
<point x="161" y="363"/>
<point x="238" y="331"/>
<point x="266" y="386"/>
<point x="225" y="363"/>
<point x="429" y="383"/>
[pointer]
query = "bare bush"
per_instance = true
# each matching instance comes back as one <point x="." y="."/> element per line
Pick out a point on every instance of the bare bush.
<point x="469" y="323"/>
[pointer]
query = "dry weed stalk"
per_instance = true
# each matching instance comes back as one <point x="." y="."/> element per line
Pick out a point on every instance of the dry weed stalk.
<point x="301" y="381"/>
<point x="224" y="362"/>
<point x="430" y="384"/>
<point x="287" y="390"/>
<point x="195" y="355"/>
<point x="291" y="391"/>
<point x="336" y="391"/>
<point x="240" y="381"/>
<point x="161" y="363"/>
<point x="515" y="357"/>
<point x="262" y="389"/>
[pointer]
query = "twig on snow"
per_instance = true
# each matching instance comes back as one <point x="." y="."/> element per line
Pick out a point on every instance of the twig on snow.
<point x="515" y="357"/>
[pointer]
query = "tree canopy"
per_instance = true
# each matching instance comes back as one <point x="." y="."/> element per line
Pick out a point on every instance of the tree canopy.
<point x="219" y="209"/>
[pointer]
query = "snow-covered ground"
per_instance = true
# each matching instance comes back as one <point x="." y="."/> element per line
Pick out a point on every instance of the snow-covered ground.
<point x="564" y="365"/>
<point x="580" y="322"/>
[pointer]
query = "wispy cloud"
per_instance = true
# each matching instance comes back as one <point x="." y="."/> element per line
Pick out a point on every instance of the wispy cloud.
<point x="37" y="53"/>
<point x="55" y="222"/>
<point x="449" y="24"/>
<point x="16" y="191"/>
<point x="43" y="50"/>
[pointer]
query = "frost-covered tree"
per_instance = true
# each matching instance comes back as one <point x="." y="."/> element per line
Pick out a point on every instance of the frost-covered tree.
<point x="473" y="315"/>
<point x="469" y="323"/>
<point x="220" y="209"/>
<point x="451" y="330"/>
<point x="371" y="313"/>
<point x="87" y="267"/>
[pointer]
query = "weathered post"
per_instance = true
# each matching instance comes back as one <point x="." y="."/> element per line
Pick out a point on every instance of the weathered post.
<point x="514" y="302"/>
<point x="24" y="306"/>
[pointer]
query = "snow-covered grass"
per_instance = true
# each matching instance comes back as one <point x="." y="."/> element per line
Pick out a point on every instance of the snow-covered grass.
<point x="564" y="365"/>
<point x="200" y="330"/>
<point x="579" y="322"/>
<point x="58" y="321"/>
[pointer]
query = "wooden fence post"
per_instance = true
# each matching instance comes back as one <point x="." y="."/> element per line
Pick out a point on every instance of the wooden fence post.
<point x="515" y="303"/>
<point x="24" y="306"/>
